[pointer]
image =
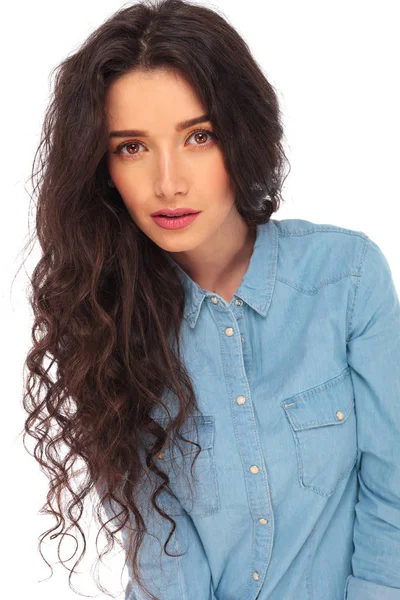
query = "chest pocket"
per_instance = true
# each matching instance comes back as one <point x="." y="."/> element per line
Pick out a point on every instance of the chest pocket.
<point x="197" y="491"/>
<point x="323" y="423"/>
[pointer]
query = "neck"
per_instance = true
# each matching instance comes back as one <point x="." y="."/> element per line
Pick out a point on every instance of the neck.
<point x="221" y="262"/>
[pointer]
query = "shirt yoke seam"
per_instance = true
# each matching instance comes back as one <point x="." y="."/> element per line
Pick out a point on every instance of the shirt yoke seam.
<point x="283" y="232"/>
<point x="315" y="289"/>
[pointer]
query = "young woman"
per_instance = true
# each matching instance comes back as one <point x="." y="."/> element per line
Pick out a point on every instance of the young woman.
<point x="230" y="382"/>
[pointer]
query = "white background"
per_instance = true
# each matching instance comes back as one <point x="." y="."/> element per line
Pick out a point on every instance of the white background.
<point x="335" y="67"/>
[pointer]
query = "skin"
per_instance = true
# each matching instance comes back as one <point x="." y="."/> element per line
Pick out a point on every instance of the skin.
<point x="174" y="169"/>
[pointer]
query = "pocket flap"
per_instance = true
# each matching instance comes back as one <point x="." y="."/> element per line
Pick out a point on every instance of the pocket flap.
<point x="205" y="436"/>
<point x="329" y="403"/>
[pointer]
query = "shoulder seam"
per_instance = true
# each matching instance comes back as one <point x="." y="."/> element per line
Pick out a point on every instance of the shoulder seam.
<point x="361" y="272"/>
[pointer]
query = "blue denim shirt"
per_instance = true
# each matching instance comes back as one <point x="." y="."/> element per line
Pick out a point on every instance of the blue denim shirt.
<point x="297" y="487"/>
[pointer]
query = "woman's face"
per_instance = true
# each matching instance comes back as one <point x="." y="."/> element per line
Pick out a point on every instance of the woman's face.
<point x="163" y="167"/>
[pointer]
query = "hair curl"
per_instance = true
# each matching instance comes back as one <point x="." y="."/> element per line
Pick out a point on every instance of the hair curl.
<point x="107" y="304"/>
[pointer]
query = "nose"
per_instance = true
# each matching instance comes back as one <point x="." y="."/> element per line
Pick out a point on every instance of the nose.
<point x="170" y="178"/>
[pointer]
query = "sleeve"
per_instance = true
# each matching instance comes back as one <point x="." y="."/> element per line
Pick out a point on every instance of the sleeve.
<point x="374" y="359"/>
<point x="167" y="577"/>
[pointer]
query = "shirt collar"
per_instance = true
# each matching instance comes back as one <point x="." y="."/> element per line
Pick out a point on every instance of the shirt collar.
<point x="257" y="284"/>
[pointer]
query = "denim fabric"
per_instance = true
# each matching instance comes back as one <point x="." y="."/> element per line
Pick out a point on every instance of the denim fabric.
<point x="297" y="486"/>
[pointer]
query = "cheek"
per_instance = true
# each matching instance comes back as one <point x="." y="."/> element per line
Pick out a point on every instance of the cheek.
<point x="132" y="192"/>
<point x="217" y="176"/>
<point x="126" y="181"/>
<point x="131" y="188"/>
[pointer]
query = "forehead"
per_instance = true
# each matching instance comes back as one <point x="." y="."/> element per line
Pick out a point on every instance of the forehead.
<point x="153" y="101"/>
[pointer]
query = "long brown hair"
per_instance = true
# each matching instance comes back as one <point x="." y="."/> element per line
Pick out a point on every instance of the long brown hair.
<point x="107" y="303"/>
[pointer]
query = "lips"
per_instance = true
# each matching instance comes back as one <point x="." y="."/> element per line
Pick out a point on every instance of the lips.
<point x="179" y="211"/>
<point x="173" y="216"/>
<point x="175" y="222"/>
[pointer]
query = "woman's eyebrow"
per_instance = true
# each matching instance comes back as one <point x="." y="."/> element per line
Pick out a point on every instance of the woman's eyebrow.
<point x="178" y="127"/>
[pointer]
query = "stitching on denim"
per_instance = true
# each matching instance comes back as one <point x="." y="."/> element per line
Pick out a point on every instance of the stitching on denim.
<point x="313" y="424"/>
<point x="273" y="272"/>
<point x="320" y="492"/>
<point x="283" y="231"/>
<point x="190" y="316"/>
<point x="253" y="423"/>
<point x="312" y="392"/>
<point x="246" y="348"/>
<point x="361" y="270"/>
<point x="298" y="455"/>
<point x="346" y="586"/>
<point x="213" y="497"/>
<point x="331" y="491"/>
<point x="230" y="393"/>
<point x="315" y="290"/>
<point x="319" y="388"/>
<point x="263" y="471"/>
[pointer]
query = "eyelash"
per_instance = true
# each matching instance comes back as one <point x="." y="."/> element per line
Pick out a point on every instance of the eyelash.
<point x="125" y="144"/>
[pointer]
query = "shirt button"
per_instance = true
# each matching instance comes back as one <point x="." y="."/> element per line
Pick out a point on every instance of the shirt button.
<point x="254" y="469"/>
<point x="240" y="400"/>
<point x="340" y="415"/>
<point x="256" y="575"/>
<point x="242" y="338"/>
<point x="214" y="300"/>
<point x="229" y="331"/>
<point x="263" y="521"/>
<point x="238" y="302"/>
<point x="161" y="455"/>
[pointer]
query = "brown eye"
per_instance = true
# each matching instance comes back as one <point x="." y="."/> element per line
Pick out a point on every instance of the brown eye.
<point x="127" y="145"/>
<point x="130" y="146"/>
<point x="202" y="134"/>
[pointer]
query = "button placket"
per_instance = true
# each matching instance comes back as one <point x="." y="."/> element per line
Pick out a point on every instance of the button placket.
<point x="251" y="449"/>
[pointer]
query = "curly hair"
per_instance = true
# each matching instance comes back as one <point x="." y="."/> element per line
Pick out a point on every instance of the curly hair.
<point x="107" y="303"/>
